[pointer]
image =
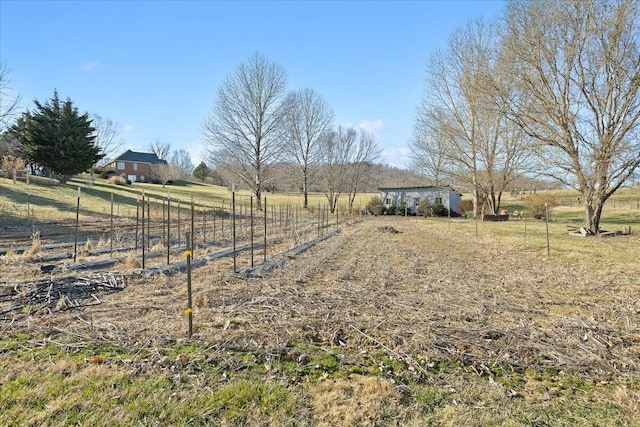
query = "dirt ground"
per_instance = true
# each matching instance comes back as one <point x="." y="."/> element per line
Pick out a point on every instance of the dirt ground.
<point x="416" y="290"/>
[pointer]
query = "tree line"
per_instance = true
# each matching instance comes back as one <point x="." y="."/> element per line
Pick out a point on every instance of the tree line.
<point x="257" y="125"/>
<point x="550" y="89"/>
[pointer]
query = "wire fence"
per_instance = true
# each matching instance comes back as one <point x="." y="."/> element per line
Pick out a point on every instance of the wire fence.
<point x="154" y="228"/>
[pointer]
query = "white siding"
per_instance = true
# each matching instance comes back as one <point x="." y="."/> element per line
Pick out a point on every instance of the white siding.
<point x="413" y="196"/>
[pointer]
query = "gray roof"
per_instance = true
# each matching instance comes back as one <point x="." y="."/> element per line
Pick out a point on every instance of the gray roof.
<point x="133" y="156"/>
<point x="422" y="187"/>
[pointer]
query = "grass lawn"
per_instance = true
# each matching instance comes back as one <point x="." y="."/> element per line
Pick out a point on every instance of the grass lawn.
<point x="46" y="199"/>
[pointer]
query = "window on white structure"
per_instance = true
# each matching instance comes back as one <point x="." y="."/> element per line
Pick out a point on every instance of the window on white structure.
<point x="135" y="166"/>
<point x="438" y="200"/>
<point x="120" y="165"/>
<point x="387" y="201"/>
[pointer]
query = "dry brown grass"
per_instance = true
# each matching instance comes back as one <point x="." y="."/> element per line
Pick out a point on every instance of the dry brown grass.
<point x="132" y="261"/>
<point x="355" y="401"/>
<point x="117" y="180"/>
<point x="36" y="244"/>
<point x="431" y="325"/>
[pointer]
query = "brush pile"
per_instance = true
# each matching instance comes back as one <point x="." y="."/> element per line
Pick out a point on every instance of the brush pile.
<point x="57" y="294"/>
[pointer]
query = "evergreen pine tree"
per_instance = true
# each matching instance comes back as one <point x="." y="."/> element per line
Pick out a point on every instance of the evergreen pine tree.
<point x="201" y="171"/>
<point x="60" y="139"/>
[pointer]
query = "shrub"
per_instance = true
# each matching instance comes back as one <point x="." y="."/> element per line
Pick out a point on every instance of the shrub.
<point x="105" y="173"/>
<point x="401" y="209"/>
<point x="117" y="180"/>
<point x="375" y="206"/>
<point x="424" y="208"/>
<point x="428" y="208"/>
<point x="11" y="165"/>
<point x="465" y="205"/>
<point x="534" y="203"/>
<point x="440" y="210"/>
<point x="391" y="210"/>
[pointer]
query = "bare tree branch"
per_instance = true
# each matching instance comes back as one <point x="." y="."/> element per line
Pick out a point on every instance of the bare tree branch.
<point x="181" y="159"/>
<point x="308" y="118"/>
<point x="578" y="69"/>
<point x="108" y="136"/>
<point x="9" y="103"/>
<point x="245" y="130"/>
<point x="462" y="131"/>
<point x="160" y="149"/>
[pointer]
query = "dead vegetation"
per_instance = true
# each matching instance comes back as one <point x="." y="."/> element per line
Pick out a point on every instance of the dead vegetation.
<point x="57" y="294"/>
<point x="412" y="326"/>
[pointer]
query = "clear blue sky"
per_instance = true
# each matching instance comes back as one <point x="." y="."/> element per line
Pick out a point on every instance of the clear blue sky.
<point x="154" y="66"/>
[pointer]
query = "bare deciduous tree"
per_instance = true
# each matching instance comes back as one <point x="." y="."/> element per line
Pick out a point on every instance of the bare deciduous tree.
<point x="345" y="155"/>
<point x="12" y="164"/>
<point x="108" y="136"/>
<point x="462" y="126"/>
<point x="430" y="146"/>
<point x="181" y="159"/>
<point x="308" y="118"/>
<point x="364" y="153"/>
<point x="578" y="71"/>
<point x="8" y="103"/>
<point x="164" y="173"/>
<point x="160" y="149"/>
<point x="12" y="139"/>
<point x="245" y="130"/>
<point x="333" y="172"/>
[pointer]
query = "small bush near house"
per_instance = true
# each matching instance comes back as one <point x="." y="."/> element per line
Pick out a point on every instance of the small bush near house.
<point x="465" y="206"/>
<point x="391" y="210"/>
<point x="534" y="203"/>
<point x="105" y="173"/>
<point x="375" y="206"/>
<point x="440" y="210"/>
<point x="428" y="208"/>
<point x="401" y="209"/>
<point x="118" y="180"/>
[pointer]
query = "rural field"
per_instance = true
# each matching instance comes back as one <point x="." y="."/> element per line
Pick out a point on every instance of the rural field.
<point x="386" y="321"/>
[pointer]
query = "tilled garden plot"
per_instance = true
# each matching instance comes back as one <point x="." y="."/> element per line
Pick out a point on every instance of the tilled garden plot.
<point x="413" y="303"/>
<point x="417" y="293"/>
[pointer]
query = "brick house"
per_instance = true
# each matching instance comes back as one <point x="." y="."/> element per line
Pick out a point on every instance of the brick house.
<point x="136" y="166"/>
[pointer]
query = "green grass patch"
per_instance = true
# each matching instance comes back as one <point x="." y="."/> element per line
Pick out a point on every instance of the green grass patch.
<point x="45" y="383"/>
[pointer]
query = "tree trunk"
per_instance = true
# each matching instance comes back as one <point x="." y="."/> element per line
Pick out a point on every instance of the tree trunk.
<point x="491" y="199"/>
<point x="476" y="202"/>
<point x="305" y="191"/>
<point x="593" y="213"/>
<point x="352" y="198"/>
<point x="258" y="194"/>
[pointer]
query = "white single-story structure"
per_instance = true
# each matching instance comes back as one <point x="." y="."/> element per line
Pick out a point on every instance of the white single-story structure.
<point x="412" y="196"/>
